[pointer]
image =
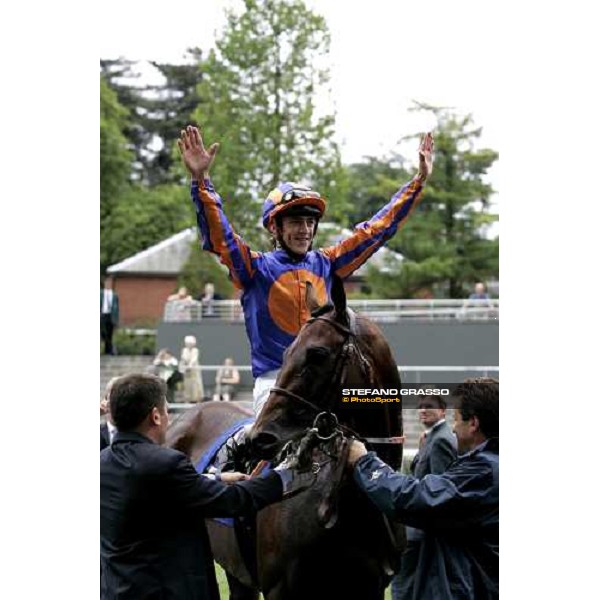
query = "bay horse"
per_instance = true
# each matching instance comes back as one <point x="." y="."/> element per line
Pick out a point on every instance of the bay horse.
<point x="327" y="541"/>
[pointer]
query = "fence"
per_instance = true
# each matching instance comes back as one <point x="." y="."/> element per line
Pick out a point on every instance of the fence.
<point x="378" y="310"/>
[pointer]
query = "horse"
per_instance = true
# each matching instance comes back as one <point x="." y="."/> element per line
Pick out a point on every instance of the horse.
<point x="327" y="540"/>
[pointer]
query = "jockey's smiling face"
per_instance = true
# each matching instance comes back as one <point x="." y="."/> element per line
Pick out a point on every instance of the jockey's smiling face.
<point x="297" y="232"/>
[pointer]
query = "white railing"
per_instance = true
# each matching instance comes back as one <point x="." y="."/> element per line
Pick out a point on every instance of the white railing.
<point x="485" y="370"/>
<point x="378" y="310"/>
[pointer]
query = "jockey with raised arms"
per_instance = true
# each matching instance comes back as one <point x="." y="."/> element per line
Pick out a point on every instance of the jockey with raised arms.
<point x="274" y="283"/>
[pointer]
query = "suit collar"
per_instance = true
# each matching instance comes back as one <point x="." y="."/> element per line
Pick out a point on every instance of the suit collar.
<point x="435" y="426"/>
<point x="489" y="445"/>
<point x="131" y="436"/>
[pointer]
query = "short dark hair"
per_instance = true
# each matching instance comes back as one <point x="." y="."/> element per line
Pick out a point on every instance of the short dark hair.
<point x="479" y="398"/>
<point x="431" y="397"/>
<point x="133" y="397"/>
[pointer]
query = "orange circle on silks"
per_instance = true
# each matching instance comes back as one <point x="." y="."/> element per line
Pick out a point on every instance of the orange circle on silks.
<point x="287" y="299"/>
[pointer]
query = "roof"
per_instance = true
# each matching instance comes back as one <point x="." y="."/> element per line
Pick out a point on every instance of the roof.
<point x="169" y="256"/>
<point x="166" y="258"/>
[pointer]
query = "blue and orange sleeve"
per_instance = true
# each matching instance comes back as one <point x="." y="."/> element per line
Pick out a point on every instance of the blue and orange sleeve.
<point x="369" y="236"/>
<point x="218" y="236"/>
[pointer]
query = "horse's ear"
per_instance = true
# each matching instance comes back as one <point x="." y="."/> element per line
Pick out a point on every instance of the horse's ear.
<point x="312" y="302"/>
<point x="338" y="295"/>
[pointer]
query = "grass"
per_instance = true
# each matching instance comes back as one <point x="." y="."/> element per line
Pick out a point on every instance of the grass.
<point x="224" y="588"/>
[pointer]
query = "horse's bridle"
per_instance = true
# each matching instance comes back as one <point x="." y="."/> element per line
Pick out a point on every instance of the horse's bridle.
<point x="349" y="346"/>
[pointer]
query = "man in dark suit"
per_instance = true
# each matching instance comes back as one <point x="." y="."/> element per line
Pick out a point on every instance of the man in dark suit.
<point x="437" y="451"/>
<point x="109" y="314"/>
<point x="458" y="510"/>
<point x="153" y="541"/>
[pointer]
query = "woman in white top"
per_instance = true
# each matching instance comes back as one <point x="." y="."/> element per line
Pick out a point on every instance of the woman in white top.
<point x="189" y="365"/>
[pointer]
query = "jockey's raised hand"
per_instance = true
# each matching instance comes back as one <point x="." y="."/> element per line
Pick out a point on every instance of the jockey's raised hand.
<point x="196" y="158"/>
<point x="425" y="157"/>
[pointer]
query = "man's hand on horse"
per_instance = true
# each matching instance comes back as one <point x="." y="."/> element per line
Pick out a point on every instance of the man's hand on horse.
<point x="233" y="476"/>
<point x="196" y="158"/>
<point x="357" y="449"/>
<point x="425" y="157"/>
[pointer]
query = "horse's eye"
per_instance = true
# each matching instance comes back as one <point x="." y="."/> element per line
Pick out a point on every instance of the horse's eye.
<point x="316" y="355"/>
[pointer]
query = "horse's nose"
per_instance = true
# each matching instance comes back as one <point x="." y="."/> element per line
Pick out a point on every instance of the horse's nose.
<point x="264" y="444"/>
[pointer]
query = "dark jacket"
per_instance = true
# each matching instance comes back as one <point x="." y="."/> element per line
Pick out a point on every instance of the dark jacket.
<point x="104" y="436"/>
<point x="153" y="541"/>
<point x="114" y="309"/>
<point x="458" y="511"/>
<point x="436" y="455"/>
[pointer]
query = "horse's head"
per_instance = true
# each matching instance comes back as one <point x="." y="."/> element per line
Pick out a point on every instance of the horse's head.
<point x="302" y="386"/>
<point x="332" y="348"/>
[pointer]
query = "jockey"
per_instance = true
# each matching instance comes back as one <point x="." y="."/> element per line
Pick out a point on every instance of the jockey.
<point x="274" y="283"/>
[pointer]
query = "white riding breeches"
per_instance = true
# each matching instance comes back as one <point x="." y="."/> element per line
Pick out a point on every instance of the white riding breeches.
<point x="262" y="389"/>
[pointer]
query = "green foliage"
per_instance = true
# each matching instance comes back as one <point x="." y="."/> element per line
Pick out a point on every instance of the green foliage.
<point x="169" y="108"/>
<point x="157" y="112"/>
<point x="144" y="216"/>
<point x="374" y="182"/>
<point x="257" y="101"/>
<point x="128" y="342"/>
<point x="201" y="268"/>
<point x="115" y="156"/>
<point x="444" y="241"/>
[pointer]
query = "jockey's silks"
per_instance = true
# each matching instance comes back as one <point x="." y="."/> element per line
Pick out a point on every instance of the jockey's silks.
<point x="274" y="284"/>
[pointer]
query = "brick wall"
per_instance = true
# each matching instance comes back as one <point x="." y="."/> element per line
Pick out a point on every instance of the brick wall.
<point x="142" y="298"/>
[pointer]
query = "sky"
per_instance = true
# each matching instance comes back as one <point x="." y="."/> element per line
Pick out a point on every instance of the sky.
<point x="384" y="54"/>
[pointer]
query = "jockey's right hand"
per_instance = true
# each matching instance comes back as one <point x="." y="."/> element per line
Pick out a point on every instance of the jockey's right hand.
<point x="196" y="158"/>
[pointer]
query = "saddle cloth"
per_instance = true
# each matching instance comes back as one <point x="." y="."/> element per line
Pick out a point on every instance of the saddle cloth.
<point x="217" y="455"/>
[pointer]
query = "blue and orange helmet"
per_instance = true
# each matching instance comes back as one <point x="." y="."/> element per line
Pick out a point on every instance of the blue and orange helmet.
<point x="292" y="199"/>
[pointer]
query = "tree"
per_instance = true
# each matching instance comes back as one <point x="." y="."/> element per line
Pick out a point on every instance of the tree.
<point x="158" y="112"/>
<point x="138" y="206"/>
<point x="115" y="159"/>
<point x="257" y="100"/>
<point x="445" y="242"/>
<point x="120" y="77"/>
<point x="167" y="109"/>
<point x="144" y="216"/>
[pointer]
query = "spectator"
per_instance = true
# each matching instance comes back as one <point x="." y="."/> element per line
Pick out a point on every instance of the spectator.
<point x="457" y="510"/>
<point x="179" y="305"/>
<point x="227" y="377"/>
<point x="207" y="299"/>
<point x="165" y="366"/>
<point x="144" y="552"/>
<point x="189" y="365"/>
<point x="437" y="451"/>
<point x="109" y="314"/>
<point x="478" y="305"/>
<point x="479" y="292"/>
<point x="107" y="429"/>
